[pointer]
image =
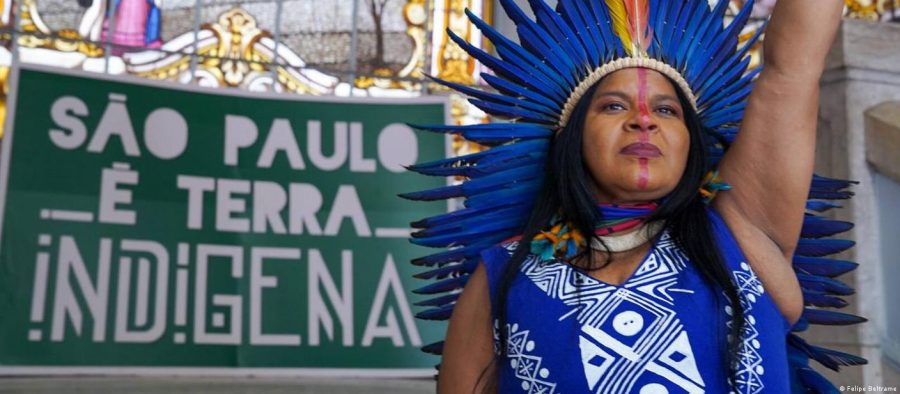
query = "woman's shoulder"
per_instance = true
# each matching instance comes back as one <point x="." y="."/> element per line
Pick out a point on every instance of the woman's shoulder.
<point x="497" y="257"/>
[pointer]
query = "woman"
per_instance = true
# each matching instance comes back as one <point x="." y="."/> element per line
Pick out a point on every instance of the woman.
<point x="622" y="279"/>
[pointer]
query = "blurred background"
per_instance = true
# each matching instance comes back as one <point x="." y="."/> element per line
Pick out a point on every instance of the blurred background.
<point x="379" y="50"/>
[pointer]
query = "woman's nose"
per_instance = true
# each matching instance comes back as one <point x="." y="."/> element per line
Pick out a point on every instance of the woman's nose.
<point x="642" y="121"/>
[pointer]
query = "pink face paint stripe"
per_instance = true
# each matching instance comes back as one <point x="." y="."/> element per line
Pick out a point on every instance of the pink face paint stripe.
<point x="643" y="134"/>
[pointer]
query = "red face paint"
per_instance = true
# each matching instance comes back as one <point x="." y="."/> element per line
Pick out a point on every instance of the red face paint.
<point x="644" y="119"/>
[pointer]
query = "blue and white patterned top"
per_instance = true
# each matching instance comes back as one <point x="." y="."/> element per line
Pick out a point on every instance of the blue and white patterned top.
<point x="662" y="331"/>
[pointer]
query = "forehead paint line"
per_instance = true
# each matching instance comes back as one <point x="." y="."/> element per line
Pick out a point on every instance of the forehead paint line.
<point x="644" y="119"/>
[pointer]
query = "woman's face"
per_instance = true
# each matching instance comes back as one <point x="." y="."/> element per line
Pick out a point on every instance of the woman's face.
<point x="635" y="141"/>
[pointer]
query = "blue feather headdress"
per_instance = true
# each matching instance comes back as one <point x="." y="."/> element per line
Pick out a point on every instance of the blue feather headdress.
<point x="537" y="81"/>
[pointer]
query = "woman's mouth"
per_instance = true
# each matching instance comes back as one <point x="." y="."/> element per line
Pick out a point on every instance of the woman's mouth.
<point x="641" y="149"/>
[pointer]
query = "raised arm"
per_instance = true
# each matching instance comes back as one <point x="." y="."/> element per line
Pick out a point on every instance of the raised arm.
<point x="770" y="164"/>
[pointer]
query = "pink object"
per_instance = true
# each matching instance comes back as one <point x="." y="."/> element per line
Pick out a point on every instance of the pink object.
<point x="131" y="26"/>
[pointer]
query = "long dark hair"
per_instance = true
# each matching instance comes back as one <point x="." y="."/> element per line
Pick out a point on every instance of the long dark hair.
<point x="567" y="192"/>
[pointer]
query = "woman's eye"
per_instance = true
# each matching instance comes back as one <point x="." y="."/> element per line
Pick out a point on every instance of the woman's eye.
<point x="667" y="111"/>
<point x="614" y="106"/>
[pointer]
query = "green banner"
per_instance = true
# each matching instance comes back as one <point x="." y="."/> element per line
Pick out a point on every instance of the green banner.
<point x="148" y="226"/>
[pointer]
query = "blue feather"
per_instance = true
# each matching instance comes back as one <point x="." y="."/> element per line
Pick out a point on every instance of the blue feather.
<point x="827" y="195"/>
<point x="506" y="47"/>
<point x="451" y="269"/>
<point x="576" y="16"/>
<point x="512" y="112"/>
<point x="562" y="36"/>
<point x="500" y="67"/>
<point x="822" y="266"/>
<point x="832" y="184"/>
<point x="822" y="247"/>
<point x="439" y="313"/>
<point x="443" y="286"/>
<point x="822" y="300"/>
<point x="816" y="227"/>
<point x="495" y="135"/>
<point x="832" y="359"/>
<point x="434" y="348"/>
<point x="496" y="98"/>
<point x="467" y="213"/>
<point x="824" y="284"/>
<point x="831" y="318"/>
<point x="510" y="88"/>
<point x="820" y="206"/>
<point x="816" y="383"/>
<point x="686" y="38"/>
<point x="440" y="300"/>
<point x="451" y="255"/>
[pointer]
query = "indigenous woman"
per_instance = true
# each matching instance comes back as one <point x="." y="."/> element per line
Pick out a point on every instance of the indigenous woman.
<point x="625" y="274"/>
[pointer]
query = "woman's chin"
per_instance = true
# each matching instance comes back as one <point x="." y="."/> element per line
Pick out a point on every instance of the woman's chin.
<point x="635" y="194"/>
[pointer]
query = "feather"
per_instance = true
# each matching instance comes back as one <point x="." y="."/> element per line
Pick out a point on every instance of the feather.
<point x="440" y="300"/>
<point x="443" y="286"/>
<point x="822" y="266"/>
<point x="814" y="382"/>
<point x="822" y="300"/>
<point x="434" y="348"/>
<point x="831" y="318"/>
<point x="828" y="195"/>
<point x="831" y="184"/>
<point x="619" y="15"/>
<point x="820" y="206"/>
<point x="816" y="227"/>
<point x="822" y="247"/>
<point x="439" y="313"/>
<point x="453" y="269"/>
<point x="638" y="25"/>
<point x="823" y="284"/>
<point x="446" y="256"/>
<point x="832" y="359"/>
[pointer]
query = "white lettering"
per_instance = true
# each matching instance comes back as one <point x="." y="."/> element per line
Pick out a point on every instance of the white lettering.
<point x="390" y="280"/>
<point x="111" y="195"/>
<point x="73" y="132"/>
<point x="231" y="302"/>
<point x="66" y="304"/>
<point x="314" y="142"/>
<point x="240" y="132"/>
<point x="341" y="301"/>
<point x="258" y="281"/>
<point x="158" y="327"/>
<point x="281" y="139"/>
<point x="227" y="205"/>
<point x="306" y="200"/>
<point x="115" y="121"/>
<point x="195" y="186"/>
<point x="269" y="199"/>
<point x="358" y="163"/>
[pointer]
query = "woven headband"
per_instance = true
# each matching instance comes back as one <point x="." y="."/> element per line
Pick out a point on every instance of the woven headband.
<point x="616" y="65"/>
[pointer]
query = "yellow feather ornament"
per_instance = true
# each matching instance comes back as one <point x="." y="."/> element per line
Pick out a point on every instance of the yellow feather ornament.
<point x="629" y="19"/>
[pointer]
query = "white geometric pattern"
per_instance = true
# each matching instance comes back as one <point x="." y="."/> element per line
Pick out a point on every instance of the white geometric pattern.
<point x="749" y="372"/>
<point x="628" y="332"/>
<point x="527" y="366"/>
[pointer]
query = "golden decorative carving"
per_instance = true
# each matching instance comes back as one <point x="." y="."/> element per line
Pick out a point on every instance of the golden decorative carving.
<point x="454" y="64"/>
<point x="233" y="52"/>
<point x="416" y="16"/>
<point x="857" y="9"/>
<point x="36" y="34"/>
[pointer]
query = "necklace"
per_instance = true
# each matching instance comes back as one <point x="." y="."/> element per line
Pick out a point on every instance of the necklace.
<point x="558" y="240"/>
<point x="626" y="242"/>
